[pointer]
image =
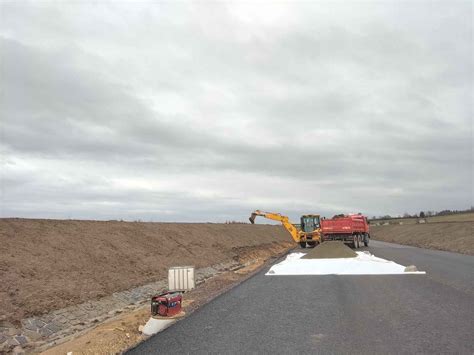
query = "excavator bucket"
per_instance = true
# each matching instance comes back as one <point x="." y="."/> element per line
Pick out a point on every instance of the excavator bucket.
<point x="252" y="218"/>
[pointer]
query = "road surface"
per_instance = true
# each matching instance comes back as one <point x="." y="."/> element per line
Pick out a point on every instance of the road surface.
<point x="390" y="314"/>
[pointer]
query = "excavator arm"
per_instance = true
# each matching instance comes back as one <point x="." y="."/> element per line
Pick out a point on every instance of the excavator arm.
<point x="295" y="234"/>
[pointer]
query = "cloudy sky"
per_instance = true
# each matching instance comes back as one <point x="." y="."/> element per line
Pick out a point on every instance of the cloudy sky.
<point x="204" y="111"/>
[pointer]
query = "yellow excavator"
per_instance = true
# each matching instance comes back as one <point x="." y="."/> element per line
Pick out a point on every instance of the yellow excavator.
<point x="308" y="233"/>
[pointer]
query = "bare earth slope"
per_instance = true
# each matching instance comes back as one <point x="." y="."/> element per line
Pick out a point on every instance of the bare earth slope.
<point x="51" y="264"/>
<point x="451" y="236"/>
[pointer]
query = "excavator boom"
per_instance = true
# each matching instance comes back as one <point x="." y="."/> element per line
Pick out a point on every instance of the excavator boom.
<point x="295" y="234"/>
<point x="304" y="237"/>
<point x="268" y="215"/>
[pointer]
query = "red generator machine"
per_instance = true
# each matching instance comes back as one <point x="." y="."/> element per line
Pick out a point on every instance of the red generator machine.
<point x="352" y="229"/>
<point x="167" y="304"/>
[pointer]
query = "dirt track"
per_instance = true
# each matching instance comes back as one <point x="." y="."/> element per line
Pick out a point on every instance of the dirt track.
<point x="51" y="264"/>
<point x="451" y="236"/>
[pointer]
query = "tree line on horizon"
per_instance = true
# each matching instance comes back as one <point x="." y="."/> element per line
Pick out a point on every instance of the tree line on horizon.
<point x="424" y="214"/>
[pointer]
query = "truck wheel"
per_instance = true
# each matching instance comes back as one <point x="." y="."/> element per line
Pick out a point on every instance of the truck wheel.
<point x="366" y="240"/>
<point x="303" y="244"/>
<point x="358" y="244"/>
<point x="354" y="242"/>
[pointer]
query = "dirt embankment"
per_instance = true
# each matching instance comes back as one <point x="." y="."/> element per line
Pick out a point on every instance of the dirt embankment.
<point x="451" y="236"/>
<point x="51" y="264"/>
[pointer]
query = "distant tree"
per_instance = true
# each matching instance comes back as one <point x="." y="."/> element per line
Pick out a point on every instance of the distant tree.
<point x="444" y="213"/>
<point x="422" y="214"/>
<point x="406" y="215"/>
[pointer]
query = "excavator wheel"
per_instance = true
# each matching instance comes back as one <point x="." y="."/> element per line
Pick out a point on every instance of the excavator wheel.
<point x="303" y="244"/>
<point x="312" y="244"/>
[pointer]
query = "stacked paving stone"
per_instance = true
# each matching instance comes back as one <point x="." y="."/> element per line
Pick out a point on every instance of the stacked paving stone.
<point x="49" y="329"/>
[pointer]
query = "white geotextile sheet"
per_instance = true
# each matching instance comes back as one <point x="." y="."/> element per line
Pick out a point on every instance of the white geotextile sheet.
<point x="364" y="264"/>
<point x="154" y="326"/>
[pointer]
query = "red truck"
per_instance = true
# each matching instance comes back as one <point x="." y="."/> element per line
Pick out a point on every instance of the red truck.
<point x="352" y="229"/>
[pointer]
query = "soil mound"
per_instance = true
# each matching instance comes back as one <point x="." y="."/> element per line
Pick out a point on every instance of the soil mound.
<point x="330" y="250"/>
<point x="451" y="236"/>
<point x="52" y="264"/>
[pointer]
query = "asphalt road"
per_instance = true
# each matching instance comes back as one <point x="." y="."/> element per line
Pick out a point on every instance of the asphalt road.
<point x="391" y="314"/>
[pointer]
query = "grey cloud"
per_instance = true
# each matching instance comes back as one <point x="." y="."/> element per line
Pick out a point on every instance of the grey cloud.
<point x="58" y="110"/>
<point x="351" y="105"/>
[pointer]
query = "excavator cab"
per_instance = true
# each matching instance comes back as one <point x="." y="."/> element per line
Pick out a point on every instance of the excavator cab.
<point x="309" y="223"/>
